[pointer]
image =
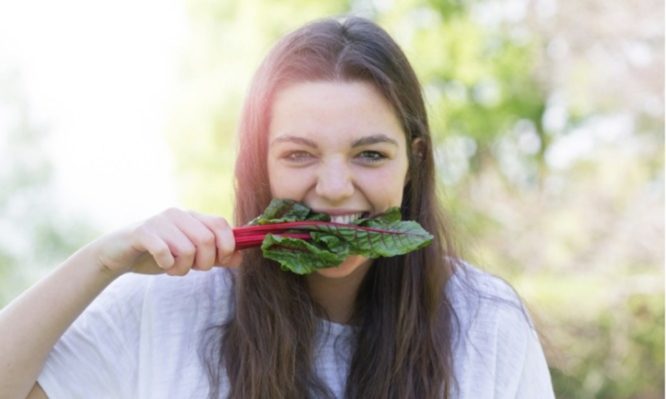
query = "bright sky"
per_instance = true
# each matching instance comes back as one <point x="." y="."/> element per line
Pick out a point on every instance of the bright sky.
<point x="103" y="76"/>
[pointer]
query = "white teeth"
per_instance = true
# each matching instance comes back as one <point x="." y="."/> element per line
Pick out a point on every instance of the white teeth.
<point x="346" y="218"/>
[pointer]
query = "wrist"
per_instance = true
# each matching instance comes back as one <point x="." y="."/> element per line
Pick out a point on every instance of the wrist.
<point x="91" y="257"/>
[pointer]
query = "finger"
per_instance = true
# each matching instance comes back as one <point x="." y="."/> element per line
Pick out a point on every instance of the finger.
<point x="180" y="246"/>
<point x="224" y="235"/>
<point x="145" y="240"/>
<point x="184" y="252"/>
<point x="233" y="260"/>
<point x="200" y="236"/>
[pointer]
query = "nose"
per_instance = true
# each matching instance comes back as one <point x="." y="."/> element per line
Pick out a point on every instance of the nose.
<point x="334" y="181"/>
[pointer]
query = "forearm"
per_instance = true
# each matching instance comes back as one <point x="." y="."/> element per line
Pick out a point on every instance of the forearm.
<point x="171" y="242"/>
<point x="32" y="324"/>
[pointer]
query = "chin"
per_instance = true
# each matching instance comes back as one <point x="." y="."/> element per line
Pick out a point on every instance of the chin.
<point x="351" y="265"/>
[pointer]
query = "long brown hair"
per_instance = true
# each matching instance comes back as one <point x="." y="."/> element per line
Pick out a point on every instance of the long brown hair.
<point x="402" y="318"/>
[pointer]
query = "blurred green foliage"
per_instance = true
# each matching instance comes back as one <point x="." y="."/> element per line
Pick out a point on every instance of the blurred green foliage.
<point x="614" y="353"/>
<point x="33" y="234"/>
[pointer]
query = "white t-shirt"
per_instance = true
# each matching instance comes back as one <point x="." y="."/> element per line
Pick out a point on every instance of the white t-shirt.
<point x="141" y="339"/>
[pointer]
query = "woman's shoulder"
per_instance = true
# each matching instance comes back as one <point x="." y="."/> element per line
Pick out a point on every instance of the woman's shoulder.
<point x="471" y="287"/>
<point x="496" y="345"/>
<point x="487" y="306"/>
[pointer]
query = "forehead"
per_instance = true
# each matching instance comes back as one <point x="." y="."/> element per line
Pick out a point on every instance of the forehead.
<point x="333" y="112"/>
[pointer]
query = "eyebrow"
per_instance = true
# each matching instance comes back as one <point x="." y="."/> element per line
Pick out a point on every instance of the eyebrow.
<point x="293" y="139"/>
<point x="367" y="140"/>
<point x="374" y="139"/>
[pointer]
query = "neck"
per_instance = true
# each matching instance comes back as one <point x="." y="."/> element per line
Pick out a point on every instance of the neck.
<point x="337" y="294"/>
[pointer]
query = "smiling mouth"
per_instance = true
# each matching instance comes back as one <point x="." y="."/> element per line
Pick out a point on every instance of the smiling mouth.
<point x="348" y="218"/>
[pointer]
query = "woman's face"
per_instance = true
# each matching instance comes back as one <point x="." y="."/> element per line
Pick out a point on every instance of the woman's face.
<point x="339" y="148"/>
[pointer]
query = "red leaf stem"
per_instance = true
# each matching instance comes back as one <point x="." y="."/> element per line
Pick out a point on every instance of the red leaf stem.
<point x="253" y="236"/>
<point x="247" y="239"/>
<point x="278" y="227"/>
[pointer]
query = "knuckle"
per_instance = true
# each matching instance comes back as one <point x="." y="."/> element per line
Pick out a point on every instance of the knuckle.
<point x="221" y="223"/>
<point x="187" y="251"/>
<point x="206" y="238"/>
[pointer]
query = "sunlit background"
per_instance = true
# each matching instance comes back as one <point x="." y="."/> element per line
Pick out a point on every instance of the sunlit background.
<point x="548" y="117"/>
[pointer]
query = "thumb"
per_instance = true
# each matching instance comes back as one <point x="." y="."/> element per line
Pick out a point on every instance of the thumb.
<point x="233" y="260"/>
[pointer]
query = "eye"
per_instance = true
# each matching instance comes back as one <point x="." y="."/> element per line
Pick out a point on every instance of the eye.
<point x="297" y="156"/>
<point x="371" y="156"/>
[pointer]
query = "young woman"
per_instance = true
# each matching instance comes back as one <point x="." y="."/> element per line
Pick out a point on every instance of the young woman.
<point x="335" y="119"/>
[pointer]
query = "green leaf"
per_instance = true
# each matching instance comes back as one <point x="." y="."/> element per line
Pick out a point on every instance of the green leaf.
<point x="299" y="256"/>
<point x="382" y="235"/>
<point x="282" y="211"/>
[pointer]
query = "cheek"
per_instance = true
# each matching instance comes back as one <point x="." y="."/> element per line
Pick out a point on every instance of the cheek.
<point x="276" y="180"/>
<point x="287" y="184"/>
<point x="384" y="187"/>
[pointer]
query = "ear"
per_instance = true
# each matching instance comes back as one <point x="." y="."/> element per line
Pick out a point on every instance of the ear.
<point x="418" y="149"/>
<point x="415" y="157"/>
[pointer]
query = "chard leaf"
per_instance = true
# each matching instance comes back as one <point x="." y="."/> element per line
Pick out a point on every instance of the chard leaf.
<point x="381" y="235"/>
<point x="390" y="216"/>
<point x="281" y="211"/>
<point x="376" y="239"/>
<point x="299" y="256"/>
